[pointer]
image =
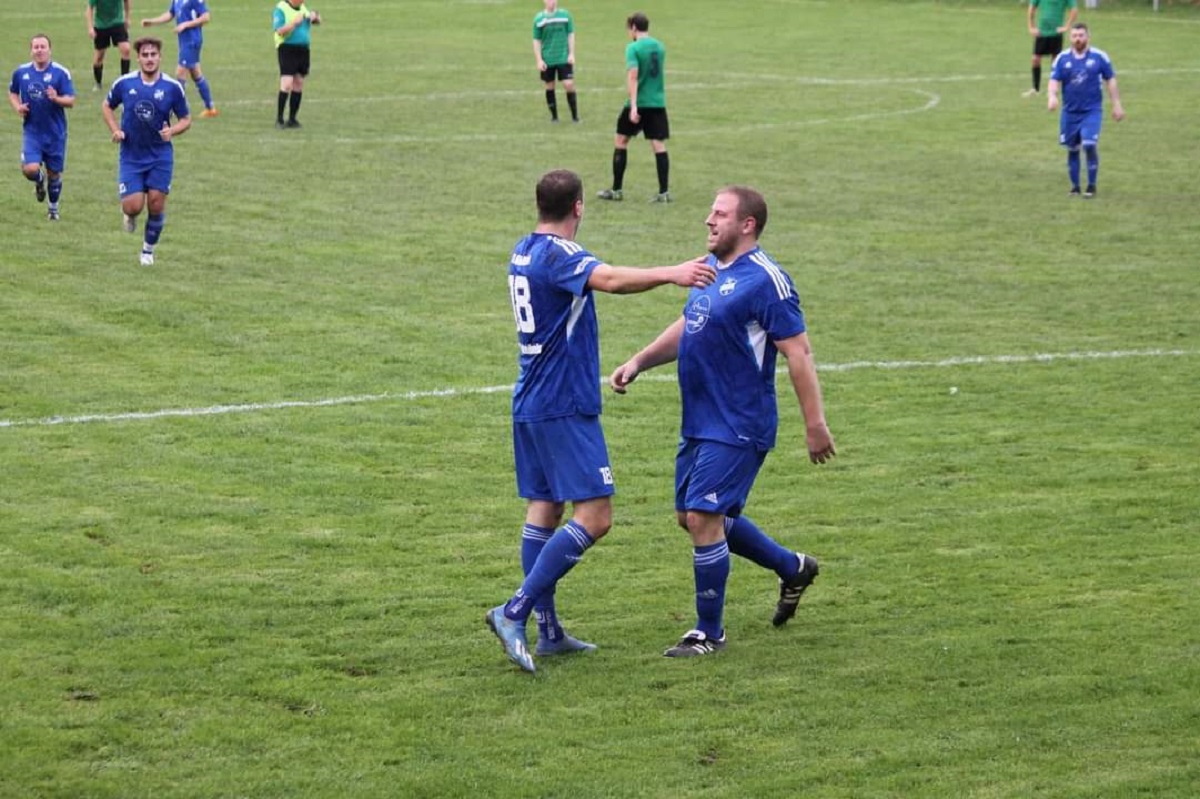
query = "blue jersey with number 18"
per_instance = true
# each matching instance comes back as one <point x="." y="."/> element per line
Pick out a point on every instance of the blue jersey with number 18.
<point x="557" y="332"/>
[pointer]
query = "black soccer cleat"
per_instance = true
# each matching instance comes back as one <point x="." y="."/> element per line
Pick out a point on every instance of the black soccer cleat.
<point x="695" y="643"/>
<point x="1089" y="192"/>
<point x="791" y="590"/>
<point x="1074" y="192"/>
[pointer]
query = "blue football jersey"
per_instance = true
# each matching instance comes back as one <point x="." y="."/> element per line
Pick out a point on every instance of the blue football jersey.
<point x="727" y="352"/>
<point x="147" y="108"/>
<point x="1081" y="77"/>
<point x="186" y="11"/>
<point x="557" y="333"/>
<point x="45" y="119"/>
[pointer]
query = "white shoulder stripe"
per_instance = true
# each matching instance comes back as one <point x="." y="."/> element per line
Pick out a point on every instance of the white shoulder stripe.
<point x="569" y="247"/>
<point x="782" y="288"/>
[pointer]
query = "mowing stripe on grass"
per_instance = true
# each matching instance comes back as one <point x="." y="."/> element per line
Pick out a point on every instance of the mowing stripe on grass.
<point x="253" y="407"/>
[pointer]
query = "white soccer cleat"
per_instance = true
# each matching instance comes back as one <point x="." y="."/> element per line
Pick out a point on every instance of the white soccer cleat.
<point x="147" y="259"/>
<point x="128" y="223"/>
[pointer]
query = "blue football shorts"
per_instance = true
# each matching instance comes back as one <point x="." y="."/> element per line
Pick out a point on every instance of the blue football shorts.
<point x="562" y="460"/>
<point x="1075" y="129"/>
<point x="40" y="150"/>
<point x="140" y="178"/>
<point x="714" y="477"/>
<point x="189" y="55"/>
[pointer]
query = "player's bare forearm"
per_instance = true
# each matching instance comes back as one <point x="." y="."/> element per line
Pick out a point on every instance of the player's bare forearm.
<point x="633" y="280"/>
<point x="802" y="371"/>
<point x="663" y="349"/>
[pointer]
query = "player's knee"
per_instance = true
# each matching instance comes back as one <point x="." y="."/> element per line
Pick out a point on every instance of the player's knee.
<point x="682" y="518"/>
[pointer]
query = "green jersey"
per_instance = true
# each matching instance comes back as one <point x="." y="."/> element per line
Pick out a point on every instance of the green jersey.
<point x="552" y="31"/>
<point x="107" y="13"/>
<point x="1050" y="14"/>
<point x="648" y="56"/>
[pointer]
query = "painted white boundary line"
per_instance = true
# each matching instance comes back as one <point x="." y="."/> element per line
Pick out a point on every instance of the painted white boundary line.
<point x="362" y="399"/>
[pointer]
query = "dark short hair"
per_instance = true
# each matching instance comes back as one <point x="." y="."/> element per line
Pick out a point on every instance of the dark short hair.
<point x="41" y="36"/>
<point x="638" y="21"/>
<point x="1081" y="25"/>
<point x="147" y="40"/>
<point x="751" y="204"/>
<point x="557" y="193"/>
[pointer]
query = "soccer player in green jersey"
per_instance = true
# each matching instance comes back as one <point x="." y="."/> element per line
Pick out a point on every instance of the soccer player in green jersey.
<point x="1047" y="31"/>
<point x="108" y="23"/>
<point x="646" y="109"/>
<point x="554" y="51"/>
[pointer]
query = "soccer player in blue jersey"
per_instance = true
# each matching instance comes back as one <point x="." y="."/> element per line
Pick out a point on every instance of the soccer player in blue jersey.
<point x="148" y="100"/>
<point x="726" y="343"/>
<point x="40" y="92"/>
<point x="1079" y="73"/>
<point x="558" y="443"/>
<point x="190" y="17"/>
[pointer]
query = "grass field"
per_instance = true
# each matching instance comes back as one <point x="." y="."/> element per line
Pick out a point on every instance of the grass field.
<point x="256" y="499"/>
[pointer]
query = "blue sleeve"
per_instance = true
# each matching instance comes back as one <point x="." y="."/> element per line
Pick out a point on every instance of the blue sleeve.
<point x="781" y="317"/>
<point x="180" y="105"/>
<point x="572" y="271"/>
<point x="68" y="86"/>
<point x="13" y="86"/>
<point x="114" y="97"/>
<point x="277" y="19"/>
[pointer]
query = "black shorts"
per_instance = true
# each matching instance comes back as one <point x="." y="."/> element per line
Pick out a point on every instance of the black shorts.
<point x="559" y="72"/>
<point x="293" y="59"/>
<point x="1048" y="45"/>
<point x="107" y="36"/>
<point x="652" y="122"/>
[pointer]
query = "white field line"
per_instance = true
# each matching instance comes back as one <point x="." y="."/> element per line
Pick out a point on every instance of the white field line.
<point x="732" y="81"/>
<point x="666" y="376"/>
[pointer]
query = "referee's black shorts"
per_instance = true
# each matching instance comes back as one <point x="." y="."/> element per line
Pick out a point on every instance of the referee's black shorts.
<point x="293" y="59"/>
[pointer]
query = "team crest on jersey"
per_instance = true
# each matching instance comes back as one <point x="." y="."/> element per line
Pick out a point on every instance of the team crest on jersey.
<point x="727" y="287"/>
<point x="698" y="313"/>
<point x="159" y="94"/>
<point x="144" y="110"/>
<point x="47" y="77"/>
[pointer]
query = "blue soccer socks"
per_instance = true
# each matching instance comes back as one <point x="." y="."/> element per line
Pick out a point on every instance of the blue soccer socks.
<point x="1073" y="167"/>
<point x="711" y="566"/>
<point x="205" y="92"/>
<point x="747" y="541"/>
<point x="154" y="229"/>
<point x="533" y="541"/>
<point x="558" y="556"/>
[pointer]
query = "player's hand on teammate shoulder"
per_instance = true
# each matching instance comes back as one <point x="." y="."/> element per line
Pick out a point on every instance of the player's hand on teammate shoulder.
<point x="695" y="273"/>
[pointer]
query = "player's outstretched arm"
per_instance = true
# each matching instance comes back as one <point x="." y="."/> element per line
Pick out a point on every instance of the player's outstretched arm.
<point x="663" y="349"/>
<point x="159" y="20"/>
<point x="632" y="280"/>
